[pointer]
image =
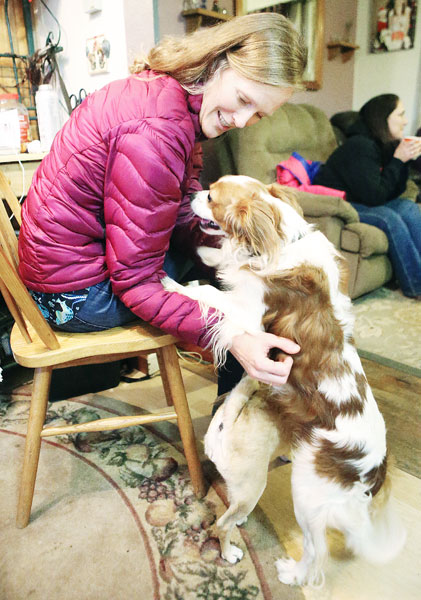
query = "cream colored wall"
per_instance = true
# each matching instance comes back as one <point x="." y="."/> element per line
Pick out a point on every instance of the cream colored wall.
<point x="139" y="27"/>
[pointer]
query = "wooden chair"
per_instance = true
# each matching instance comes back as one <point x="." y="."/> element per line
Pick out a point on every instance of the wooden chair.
<point x="35" y="345"/>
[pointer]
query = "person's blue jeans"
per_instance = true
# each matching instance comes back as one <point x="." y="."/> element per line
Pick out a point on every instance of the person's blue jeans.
<point x="96" y="309"/>
<point x="92" y="309"/>
<point x="400" y="219"/>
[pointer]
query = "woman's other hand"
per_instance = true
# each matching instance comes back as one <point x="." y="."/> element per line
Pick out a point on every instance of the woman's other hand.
<point x="409" y="148"/>
<point x="251" y="351"/>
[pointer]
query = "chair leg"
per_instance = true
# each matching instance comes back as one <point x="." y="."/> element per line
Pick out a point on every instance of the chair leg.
<point x="170" y="372"/>
<point x="164" y="377"/>
<point x="38" y="409"/>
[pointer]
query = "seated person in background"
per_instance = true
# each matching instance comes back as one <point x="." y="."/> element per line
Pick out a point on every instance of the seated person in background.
<point x="372" y="168"/>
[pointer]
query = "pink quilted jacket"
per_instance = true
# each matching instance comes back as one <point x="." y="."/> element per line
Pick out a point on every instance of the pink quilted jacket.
<point x="106" y="199"/>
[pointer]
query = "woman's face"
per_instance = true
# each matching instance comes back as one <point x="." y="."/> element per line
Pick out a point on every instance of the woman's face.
<point x="230" y="101"/>
<point x="397" y="121"/>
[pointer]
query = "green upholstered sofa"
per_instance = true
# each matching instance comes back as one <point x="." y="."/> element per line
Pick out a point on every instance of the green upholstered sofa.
<point x="256" y="150"/>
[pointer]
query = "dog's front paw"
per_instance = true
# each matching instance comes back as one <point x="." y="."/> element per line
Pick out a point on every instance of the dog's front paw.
<point x="210" y="256"/>
<point x="171" y="286"/>
<point x="233" y="555"/>
<point x="289" y="571"/>
<point x="242" y="521"/>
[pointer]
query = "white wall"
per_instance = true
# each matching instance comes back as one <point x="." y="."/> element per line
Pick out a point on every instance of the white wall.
<point x="139" y="27"/>
<point x="396" y="72"/>
<point x="76" y="27"/>
<point x="118" y="21"/>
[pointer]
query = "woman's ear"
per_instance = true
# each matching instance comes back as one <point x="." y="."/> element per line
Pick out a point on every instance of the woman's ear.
<point x="286" y="194"/>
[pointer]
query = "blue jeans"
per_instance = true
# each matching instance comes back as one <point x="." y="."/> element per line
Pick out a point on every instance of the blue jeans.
<point x="96" y="309"/>
<point x="400" y="219"/>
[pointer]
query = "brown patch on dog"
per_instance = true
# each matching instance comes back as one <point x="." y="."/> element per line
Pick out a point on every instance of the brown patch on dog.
<point x="377" y="476"/>
<point x="286" y="194"/>
<point x="299" y="308"/>
<point x="336" y="463"/>
<point x="243" y="213"/>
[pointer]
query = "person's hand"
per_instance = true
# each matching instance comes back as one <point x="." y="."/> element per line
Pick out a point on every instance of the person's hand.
<point x="251" y="351"/>
<point x="408" y="149"/>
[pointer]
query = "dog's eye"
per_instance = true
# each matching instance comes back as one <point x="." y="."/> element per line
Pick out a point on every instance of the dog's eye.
<point x="209" y="198"/>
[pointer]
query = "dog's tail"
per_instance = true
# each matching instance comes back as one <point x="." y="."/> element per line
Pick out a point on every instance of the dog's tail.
<point x="383" y="536"/>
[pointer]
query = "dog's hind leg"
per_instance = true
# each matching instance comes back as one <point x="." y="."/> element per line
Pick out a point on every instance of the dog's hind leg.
<point x="240" y="441"/>
<point x="310" y="568"/>
<point x="311" y="507"/>
<point x="243" y="498"/>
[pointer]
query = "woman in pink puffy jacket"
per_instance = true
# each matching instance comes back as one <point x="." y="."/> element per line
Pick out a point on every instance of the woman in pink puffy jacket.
<point x="108" y="211"/>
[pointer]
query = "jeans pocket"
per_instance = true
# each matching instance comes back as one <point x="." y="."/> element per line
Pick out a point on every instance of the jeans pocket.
<point x="103" y="309"/>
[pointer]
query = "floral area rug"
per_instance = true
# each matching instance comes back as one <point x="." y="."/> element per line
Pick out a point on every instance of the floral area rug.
<point x="388" y="329"/>
<point x="114" y="516"/>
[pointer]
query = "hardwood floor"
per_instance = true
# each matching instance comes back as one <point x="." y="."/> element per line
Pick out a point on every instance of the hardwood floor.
<point x="399" y="398"/>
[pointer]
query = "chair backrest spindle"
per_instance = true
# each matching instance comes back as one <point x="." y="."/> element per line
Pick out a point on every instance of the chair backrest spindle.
<point x="18" y="300"/>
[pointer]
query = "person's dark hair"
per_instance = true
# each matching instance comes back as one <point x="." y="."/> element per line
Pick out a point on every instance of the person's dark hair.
<point x="374" y="115"/>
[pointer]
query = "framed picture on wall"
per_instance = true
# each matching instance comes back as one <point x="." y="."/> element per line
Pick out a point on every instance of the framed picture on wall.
<point x="392" y="25"/>
<point x="98" y="54"/>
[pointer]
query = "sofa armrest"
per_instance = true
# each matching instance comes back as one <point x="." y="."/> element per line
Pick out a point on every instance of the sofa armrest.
<point x="364" y="239"/>
<point x="412" y="190"/>
<point x="317" y="205"/>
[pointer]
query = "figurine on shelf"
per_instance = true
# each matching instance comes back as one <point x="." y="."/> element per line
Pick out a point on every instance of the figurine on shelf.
<point x="203" y="5"/>
<point x="190" y="4"/>
<point x="215" y="6"/>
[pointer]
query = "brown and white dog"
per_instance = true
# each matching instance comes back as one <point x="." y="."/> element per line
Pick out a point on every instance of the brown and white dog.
<point x="281" y="275"/>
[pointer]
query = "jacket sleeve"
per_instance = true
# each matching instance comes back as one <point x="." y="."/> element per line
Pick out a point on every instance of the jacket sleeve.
<point x="365" y="179"/>
<point x="143" y="183"/>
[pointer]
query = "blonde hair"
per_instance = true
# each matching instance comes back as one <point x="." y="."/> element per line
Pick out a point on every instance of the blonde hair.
<point x="263" y="47"/>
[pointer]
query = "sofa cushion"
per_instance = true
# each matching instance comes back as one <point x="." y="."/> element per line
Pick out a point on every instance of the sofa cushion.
<point x="364" y="239"/>
<point x="331" y="227"/>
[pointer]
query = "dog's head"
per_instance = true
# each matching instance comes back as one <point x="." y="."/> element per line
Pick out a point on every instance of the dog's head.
<point x="260" y="218"/>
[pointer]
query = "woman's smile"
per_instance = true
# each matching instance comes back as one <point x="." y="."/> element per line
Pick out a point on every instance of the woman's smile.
<point x="231" y="100"/>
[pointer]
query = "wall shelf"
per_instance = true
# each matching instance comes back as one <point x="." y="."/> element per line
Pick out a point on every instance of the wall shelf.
<point x="200" y="17"/>
<point x="344" y="48"/>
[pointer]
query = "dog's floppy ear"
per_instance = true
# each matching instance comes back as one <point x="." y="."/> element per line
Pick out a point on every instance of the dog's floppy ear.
<point x="256" y="224"/>
<point x="285" y="194"/>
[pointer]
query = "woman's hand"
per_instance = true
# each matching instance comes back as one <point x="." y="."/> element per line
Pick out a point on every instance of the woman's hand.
<point x="408" y="149"/>
<point x="251" y="351"/>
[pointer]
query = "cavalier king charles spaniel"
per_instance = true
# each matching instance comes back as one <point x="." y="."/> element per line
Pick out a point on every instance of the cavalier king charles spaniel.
<point x="280" y="275"/>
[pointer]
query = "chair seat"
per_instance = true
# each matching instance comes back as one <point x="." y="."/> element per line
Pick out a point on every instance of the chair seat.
<point x="84" y="348"/>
